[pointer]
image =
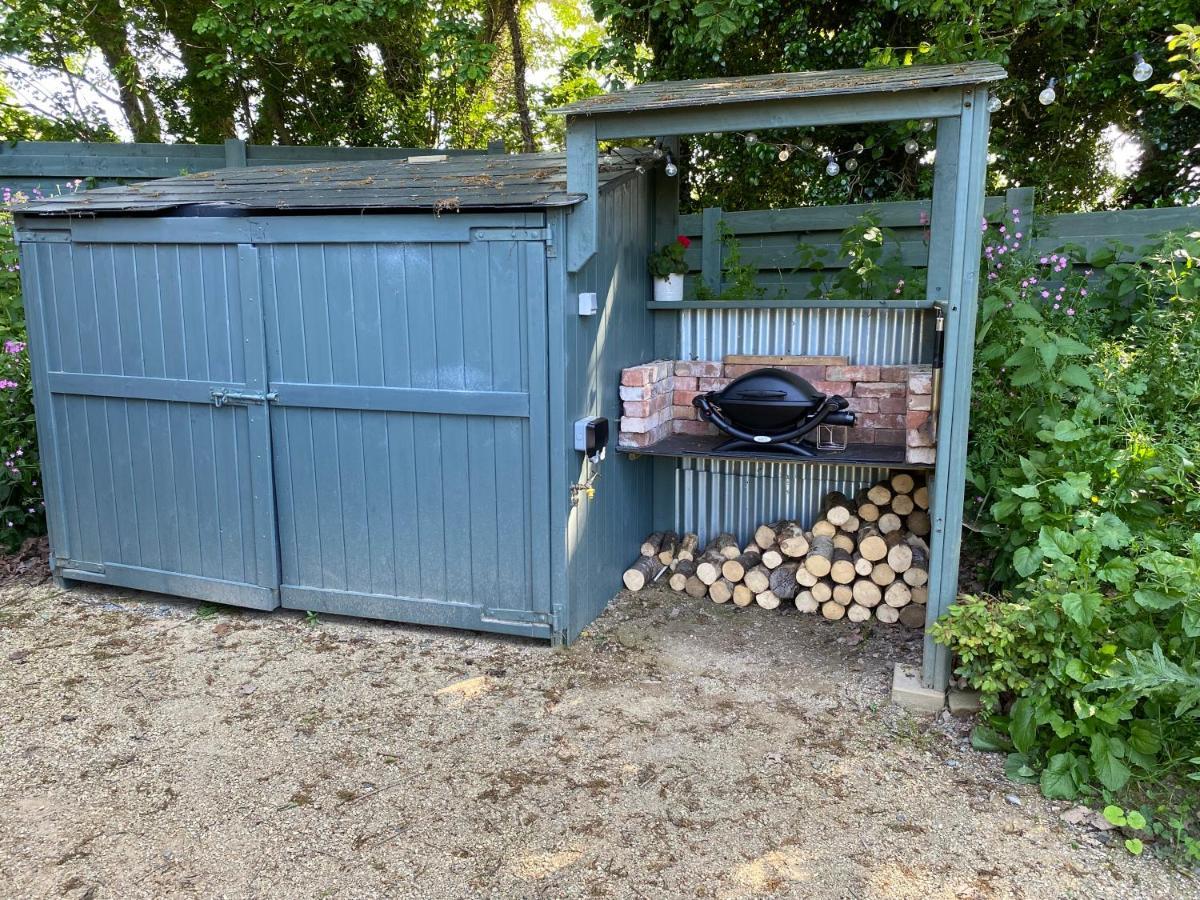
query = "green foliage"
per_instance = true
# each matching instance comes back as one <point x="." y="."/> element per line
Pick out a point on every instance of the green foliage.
<point x="1184" y="87"/>
<point x="739" y="280"/>
<point x="22" y="512"/>
<point x="668" y="259"/>
<point x="1062" y="148"/>
<point x="873" y="268"/>
<point x="1084" y="437"/>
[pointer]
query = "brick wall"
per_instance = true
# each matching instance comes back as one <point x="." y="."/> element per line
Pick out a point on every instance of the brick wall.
<point x="893" y="403"/>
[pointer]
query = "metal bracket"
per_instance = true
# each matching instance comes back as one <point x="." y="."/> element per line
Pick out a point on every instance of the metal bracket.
<point x="59" y="563"/>
<point x="510" y="234"/>
<point x="224" y="397"/>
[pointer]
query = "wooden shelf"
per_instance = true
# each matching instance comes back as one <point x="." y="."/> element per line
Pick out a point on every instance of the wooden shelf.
<point x="687" y="445"/>
<point x="729" y="305"/>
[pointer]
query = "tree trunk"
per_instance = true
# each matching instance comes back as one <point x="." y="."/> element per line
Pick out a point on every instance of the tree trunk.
<point x="513" y="17"/>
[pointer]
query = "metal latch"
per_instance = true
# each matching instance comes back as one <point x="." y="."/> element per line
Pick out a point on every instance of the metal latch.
<point x="225" y="397"/>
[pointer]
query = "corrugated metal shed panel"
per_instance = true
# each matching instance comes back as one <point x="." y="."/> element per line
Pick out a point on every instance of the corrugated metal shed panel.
<point x="783" y="86"/>
<point x="481" y="182"/>
<point x="869" y="337"/>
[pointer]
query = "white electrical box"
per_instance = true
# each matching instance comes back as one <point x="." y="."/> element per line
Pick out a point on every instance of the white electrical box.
<point x="587" y="304"/>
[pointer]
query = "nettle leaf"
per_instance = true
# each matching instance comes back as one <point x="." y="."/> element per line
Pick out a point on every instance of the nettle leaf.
<point x="1112" y="532"/>
<point x="1076" y="376"/>
<point x="1021" y="727"/>
<point x="1058" y="778"/>
<point x="1026" y="375"/>
<point x="1068" y="346"/>
<point x="1049" y="354"/>
<point x="1152" y="599"/>
<point x="1028" y="491"/>
<point x="1191" y="620"/>
<point x="1081" y="607"/>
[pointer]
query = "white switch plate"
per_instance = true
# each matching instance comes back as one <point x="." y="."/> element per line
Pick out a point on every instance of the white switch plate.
<point x="587" y="304"/>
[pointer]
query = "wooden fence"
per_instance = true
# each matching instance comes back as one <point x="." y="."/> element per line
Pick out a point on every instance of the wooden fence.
<point x="50" y="166"/>
<point x="770" y="240"/>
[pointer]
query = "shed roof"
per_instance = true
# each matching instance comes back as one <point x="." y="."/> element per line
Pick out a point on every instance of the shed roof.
<point x="783" y="86"/>
<point x="461" y="182"/>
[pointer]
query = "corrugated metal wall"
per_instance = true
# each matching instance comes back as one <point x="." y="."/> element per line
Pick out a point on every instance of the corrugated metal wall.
<point x="725" y="495"/>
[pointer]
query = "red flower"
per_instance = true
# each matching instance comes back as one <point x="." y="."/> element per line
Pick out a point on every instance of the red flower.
<point x="684" y="240"/>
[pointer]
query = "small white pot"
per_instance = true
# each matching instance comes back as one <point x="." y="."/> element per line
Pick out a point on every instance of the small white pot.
<point x="669" y="289"/>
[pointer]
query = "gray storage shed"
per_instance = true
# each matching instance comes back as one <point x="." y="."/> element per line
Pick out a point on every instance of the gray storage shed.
<point x="343" y="388"/>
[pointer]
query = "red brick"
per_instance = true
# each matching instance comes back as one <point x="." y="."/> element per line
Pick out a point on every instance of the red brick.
<point x="844" y="388"/>
<point x="698" y="368"/>
<point x="852" y="373"/>
<point x="916" y="437"/>
<point x="644" y="439"/>
<point x="920" y="380"/>
<point x="920" y="401"/>
<point x="645" y="423"/>
<point x="864" y="404"/>
<point x="637" y="376"/>
<point x="683" y="398"/>
<point x="684" y="412"/>
<point x="640" y="409"/>
<point x="808" y="373"/>
<point x="685" y="426"/>
<point x="894" y="373"/>
<point x="640" y="392"/>
<point x="880" y="420"/>
<point x="921" y="455"/>
<point x="862" y="435"/>
<point x="891" y="436"/>
<point x="894" y="405"/>
<point x="878" y="389"/>
<point x="711" y="384"/>
<point x="916" y="418"/>
<point x="685" y="382"/>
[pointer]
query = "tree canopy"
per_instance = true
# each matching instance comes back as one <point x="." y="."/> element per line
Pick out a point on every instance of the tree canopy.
<point x="462" y="72"/>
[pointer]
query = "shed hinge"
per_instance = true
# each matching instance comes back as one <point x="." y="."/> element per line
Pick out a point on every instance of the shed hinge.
<point x="510" y="234"/>
<point x="223" y="397"/>
<point x="58" y="563"/>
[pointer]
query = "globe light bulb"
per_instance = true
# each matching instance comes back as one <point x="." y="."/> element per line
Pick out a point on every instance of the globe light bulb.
<point x="832" y="168"/>
<point x="851" y="164"/>
<point x="1142" y="70"/>
<point x="640" y="169"/>
<point x="785" y="154"/>
<point x="806" y="143"/>
<point x="927" y="125"/>
<point x="658" y="152"/>
<point x="672" y="170"/>
<point x="752" y="138"/>
<point x="858" y="148"/>
<point x="1047" y="96"/>
<point x="994" y="104"/>
<point x="911" y="146"/>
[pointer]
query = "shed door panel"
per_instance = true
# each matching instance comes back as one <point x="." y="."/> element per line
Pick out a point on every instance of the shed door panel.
<point x="158" y="488"/>
<point x="409" y="430"/>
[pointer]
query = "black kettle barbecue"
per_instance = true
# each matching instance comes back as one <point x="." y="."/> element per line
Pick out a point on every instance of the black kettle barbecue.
<point x="770" y="409"/>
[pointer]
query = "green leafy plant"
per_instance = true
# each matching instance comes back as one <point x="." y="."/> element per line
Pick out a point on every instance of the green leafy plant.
<point x="873" y="268"/>
<point x="669" y="259"/>
<point x="1184" y="87"/>
<point x="739" y="281"/>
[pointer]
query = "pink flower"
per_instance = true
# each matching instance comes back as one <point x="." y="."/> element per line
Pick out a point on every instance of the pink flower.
<point x="1043" y="260"/>
<point x="1070" y="311"/>
<point x="13" y="347"/>
<point x="1055" y="306"/>
<point x="6" y="385"/>
<point x="1045" y="294"/>
<point x="924" y="217"/>
<point x="1083" y="292"/>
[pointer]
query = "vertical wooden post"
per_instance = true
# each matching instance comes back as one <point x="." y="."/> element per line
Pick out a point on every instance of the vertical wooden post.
<point x="953" y="282"/>
<point x="666" y="332"/>
<point x="235" y="153"/>
<point x="710" y="249"/>
<point x="583" y="177"/>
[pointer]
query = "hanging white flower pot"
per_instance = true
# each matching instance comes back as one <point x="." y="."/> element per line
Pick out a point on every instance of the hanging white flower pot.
<point x="669" y="289"/>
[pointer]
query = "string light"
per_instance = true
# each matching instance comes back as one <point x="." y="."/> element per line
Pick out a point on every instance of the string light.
<point x="751" y="138"/>
<point x="994" y="104"/>
<point x="927" y="125"/>
<point x="858" y="148"/>
<point x="832" y="167"/>
<point x="1142" y="70"/>
<point x="672" y="170"/>
<point x="785" y="154"/>
<point x="851" y="164"/>
<point x="911" y="146"/>
<point x="1048" y="96"/>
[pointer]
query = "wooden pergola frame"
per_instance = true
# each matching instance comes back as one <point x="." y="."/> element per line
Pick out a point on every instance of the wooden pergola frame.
<point x="840" y="98"/>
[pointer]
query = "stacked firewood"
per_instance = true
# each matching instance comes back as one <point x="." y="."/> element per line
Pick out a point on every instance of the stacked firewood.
<point x="865" y="557"/>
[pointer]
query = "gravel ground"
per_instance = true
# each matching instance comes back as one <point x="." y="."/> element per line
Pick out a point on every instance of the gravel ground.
<point x="153" y="747"/>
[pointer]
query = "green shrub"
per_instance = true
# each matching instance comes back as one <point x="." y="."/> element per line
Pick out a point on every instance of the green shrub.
<point x="22" y="511"/>
<point x="1082" y="458"/>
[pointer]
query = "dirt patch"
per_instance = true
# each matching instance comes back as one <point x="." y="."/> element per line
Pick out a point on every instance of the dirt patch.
<point x="153" y="747"/>
<point x="29" y="565"/>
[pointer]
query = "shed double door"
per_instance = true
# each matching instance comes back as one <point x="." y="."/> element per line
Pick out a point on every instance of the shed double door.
<point x="354" y="428"/>
<point x="409" y="429"/>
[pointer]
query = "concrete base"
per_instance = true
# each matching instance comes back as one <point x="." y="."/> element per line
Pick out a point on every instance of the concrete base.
<point x="963" y="703"/>
<point x="909" y="692"/>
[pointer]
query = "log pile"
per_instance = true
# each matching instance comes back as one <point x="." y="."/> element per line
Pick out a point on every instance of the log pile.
<point x="865" y="557"/>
